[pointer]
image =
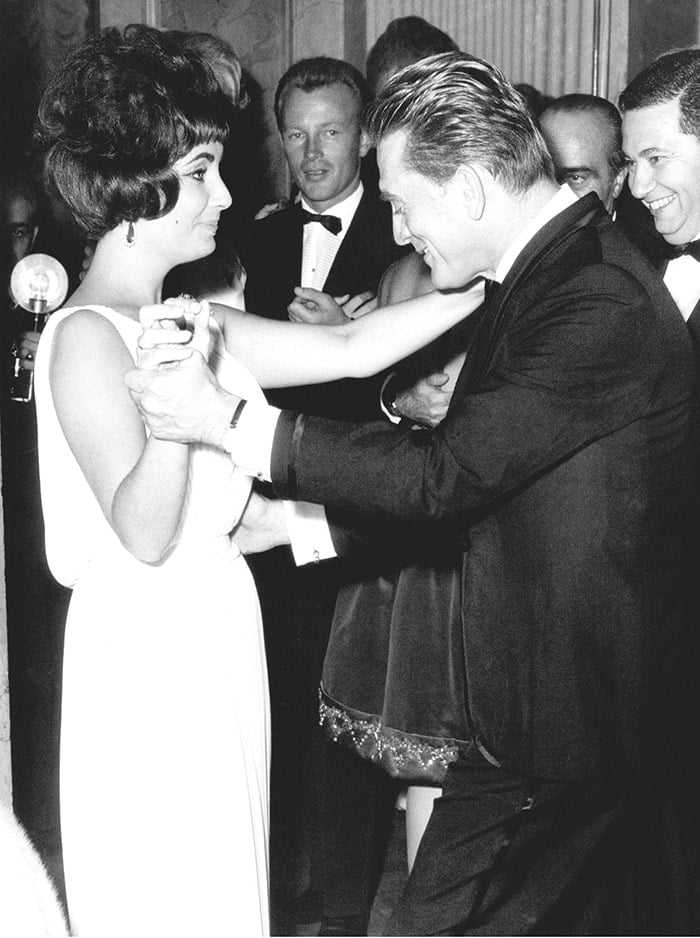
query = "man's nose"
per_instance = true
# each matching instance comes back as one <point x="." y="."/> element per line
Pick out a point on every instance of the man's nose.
<point x="640" y="179"/>
<point x="313" y="148"/>
<point x="399" y="229"/>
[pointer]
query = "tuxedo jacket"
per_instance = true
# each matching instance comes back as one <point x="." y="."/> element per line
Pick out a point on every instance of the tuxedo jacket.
<point x="272" y="259"/>
<point x="637" y="223"/>
<point x="565" y="462"/>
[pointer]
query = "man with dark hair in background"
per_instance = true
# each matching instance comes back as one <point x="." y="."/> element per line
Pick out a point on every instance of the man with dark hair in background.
<point x="583" y="134"/>
<point x="661" y="140"/>
<point x="406" y="39"/>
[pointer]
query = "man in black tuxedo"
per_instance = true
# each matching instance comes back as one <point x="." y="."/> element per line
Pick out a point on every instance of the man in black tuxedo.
<point x="565" y="460"/>
<point x="583" y="133"/>
<point x="661" y="139"/>
<point x="336" y="238"/>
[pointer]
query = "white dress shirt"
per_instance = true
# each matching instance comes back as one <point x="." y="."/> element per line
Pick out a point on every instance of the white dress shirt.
<point x="320" y="247"/>
<point x="308" y="529"/>
<point x="682" y="278"/>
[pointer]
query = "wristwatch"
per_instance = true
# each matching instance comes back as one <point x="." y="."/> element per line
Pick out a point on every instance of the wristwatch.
<point x="389" y="395"/>
<point x="391" y="407"/>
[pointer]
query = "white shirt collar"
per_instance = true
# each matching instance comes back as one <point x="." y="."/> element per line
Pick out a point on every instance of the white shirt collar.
<point x="344" y="210"/>
<point x="562" y="200"/>
<point x="683" y="282"/>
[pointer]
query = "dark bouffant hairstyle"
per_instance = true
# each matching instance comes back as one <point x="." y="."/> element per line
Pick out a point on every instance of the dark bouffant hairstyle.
<point x="315" y="73"/>
<point x="118" y="115"/>
<point x="221" y="57"/>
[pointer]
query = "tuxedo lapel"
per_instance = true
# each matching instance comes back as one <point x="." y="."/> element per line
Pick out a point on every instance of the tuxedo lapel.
<point x="693" y="324"/>
<point x="367" y="249"/>
<point x="352" y="248"/>
<point x="296" y="242"/>
<point x="552" y="237"/>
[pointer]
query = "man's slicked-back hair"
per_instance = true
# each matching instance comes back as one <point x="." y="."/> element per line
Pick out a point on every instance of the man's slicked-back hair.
<point x="594" y="104"/>
<point x="673" y="75"/>
<point x="319" y="72"/>
<point x="457" y="109"/>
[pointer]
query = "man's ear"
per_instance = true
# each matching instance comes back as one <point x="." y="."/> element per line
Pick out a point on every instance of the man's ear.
<point x="619" y="182"/>
<point x="472" y="188"/>
<point x="365" y="142"/>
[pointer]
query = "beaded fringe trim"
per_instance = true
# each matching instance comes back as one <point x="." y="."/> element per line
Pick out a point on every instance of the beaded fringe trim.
<point x="400" y="754"/>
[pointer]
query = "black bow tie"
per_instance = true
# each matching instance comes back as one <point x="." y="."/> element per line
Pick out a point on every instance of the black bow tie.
<point x="330" y="222"/>
<point x="678" y="250"/>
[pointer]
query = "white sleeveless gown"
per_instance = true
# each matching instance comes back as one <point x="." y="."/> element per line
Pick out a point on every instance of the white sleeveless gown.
<point x="165" y="722"/>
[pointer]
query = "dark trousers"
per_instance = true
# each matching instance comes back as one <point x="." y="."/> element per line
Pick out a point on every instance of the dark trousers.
<point x="504" y="855"/>
<point x="330" y="810"/>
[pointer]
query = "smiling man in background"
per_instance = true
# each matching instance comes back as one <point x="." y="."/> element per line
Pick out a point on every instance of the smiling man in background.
<point x="661" y="139"/>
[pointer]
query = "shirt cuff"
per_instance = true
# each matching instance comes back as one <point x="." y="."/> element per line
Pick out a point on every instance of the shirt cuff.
<point x="309" y="532"/>
<point x="250" y="444"/>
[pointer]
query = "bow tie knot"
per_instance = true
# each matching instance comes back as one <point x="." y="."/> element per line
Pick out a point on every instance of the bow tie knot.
<point x="679" y="250"/>
<point x="330" y="222"/>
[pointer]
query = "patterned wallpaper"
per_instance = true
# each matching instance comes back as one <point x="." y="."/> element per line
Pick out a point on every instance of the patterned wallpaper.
<point x="259" y="32"/>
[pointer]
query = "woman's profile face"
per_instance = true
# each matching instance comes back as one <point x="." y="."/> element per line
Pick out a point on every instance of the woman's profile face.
<point x="188" y="231"/>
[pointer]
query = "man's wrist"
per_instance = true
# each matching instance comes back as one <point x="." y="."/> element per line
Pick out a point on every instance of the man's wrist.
<point x="227" y="440"/>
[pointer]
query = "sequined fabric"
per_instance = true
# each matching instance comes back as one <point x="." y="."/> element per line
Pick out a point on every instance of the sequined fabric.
<point x="403" y="755"/>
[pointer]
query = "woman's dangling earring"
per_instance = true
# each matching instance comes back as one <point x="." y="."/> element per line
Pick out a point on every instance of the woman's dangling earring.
<point x="130" y="235"/>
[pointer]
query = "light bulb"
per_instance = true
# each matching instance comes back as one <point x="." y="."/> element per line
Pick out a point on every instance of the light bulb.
<point x="39" y="283"/>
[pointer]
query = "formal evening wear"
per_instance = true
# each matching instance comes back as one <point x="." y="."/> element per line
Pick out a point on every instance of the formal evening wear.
<point x="272" y="257"/>
<point x="565" y="460"/>
<point x="679" y="268"/>
<point x="164" y="736"/>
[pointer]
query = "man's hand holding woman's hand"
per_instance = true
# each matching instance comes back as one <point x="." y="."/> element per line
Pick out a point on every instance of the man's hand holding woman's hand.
<point x="173" y="330"/>
<point x="172" y="385"/>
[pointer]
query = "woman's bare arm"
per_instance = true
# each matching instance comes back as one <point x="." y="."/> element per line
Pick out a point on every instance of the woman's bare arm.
<point x="283" y="354"/>
<point x="139" y="482"/>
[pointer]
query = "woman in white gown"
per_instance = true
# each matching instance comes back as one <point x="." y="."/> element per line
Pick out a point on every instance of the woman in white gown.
<point x="164" y="747"/>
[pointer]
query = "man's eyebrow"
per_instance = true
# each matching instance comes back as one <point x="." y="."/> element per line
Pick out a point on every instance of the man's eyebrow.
<point x="335" y="122"/>
<point x="576" y="169"/>
<point x="654" y="149"/>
